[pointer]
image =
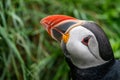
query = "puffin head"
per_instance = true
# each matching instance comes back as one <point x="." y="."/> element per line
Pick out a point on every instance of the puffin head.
<point x="83" y="42"/>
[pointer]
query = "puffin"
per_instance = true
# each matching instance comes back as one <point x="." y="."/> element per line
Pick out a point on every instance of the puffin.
<point x="86" y="47"/>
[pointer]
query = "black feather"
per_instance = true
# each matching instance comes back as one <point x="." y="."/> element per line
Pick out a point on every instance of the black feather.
<point x="107" y="71"/>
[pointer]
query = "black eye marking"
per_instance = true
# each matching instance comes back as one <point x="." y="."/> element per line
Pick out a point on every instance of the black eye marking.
<point x="86" y="40"/>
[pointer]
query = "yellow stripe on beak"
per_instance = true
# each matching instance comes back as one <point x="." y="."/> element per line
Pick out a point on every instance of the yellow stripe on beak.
<point x="65" y="37"/>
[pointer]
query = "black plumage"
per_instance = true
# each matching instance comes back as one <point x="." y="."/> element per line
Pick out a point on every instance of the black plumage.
<point x="107" y="71"/>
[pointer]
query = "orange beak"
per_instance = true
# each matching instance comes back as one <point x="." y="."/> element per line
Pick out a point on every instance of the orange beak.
<point x="57" y="25"/>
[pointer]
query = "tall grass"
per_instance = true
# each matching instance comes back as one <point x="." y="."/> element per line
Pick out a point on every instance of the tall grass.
<point x="26" y="50"/>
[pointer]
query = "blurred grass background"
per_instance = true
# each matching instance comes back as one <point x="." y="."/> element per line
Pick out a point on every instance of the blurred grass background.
<point x="26" y="50"/>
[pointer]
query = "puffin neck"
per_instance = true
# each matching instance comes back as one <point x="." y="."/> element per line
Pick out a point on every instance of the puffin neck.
<point x="92" y="73"/>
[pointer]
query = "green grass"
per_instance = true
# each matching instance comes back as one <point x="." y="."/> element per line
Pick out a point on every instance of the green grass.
<point x="27" y="52"/>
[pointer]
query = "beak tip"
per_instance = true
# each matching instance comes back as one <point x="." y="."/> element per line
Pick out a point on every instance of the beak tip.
<point x="44" y="24"/>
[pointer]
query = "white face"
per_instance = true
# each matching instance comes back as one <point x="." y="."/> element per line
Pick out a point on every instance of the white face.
<point x="83" y="54"/>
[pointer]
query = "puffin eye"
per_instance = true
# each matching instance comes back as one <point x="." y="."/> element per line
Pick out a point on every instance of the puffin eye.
<point x="86" y="40"/>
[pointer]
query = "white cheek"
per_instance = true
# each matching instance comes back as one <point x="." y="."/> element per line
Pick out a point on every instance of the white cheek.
<point x="80" y="55"/>
<point x="93" y="47"/>
<point x="77" y="50"/>
<point x="74" y="45"/>
<point x="83" y="56"/>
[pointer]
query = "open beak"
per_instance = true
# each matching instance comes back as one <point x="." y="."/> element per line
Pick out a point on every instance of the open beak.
<point x="57" y="25"/>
